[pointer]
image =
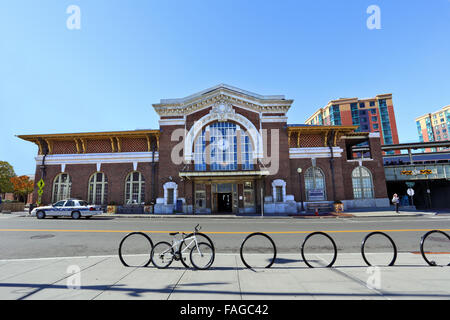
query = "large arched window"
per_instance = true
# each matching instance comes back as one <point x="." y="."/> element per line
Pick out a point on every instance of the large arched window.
<point x="134" y="188"/>
<point x="223" y="148"/>
<point x="98" y="188"/>
<point x="315" y="184"/>
<point x="62" y="187"/>
<point x="362" y="183"/>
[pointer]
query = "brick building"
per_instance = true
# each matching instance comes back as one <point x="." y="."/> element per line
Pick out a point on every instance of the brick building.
<point x="220" y="150"/>
<point x="434" y="127"/>
<point x="369" y="115"/>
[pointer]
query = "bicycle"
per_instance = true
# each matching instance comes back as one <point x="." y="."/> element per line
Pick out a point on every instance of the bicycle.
<point x="201" y="254"/>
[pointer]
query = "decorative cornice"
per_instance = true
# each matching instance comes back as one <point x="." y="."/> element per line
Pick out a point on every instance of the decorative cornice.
<point x="237" y="98"/>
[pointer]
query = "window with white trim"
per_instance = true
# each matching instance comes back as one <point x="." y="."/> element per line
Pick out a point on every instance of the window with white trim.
<point x="223" y="148"/>
<point x="315" y="184"/>
<point x="62" y="187"/>
<point x="98" y="189"/>
<point x="362" y="183"/>
<point x="134" y="188"/>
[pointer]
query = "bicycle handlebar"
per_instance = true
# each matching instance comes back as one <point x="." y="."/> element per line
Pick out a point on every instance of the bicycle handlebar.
<point x="197" y="228"/>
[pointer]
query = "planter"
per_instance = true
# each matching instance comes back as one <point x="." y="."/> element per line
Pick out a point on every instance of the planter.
<point x="148" y="209"/>
<point x="338" y="207"/>
<point x="111" y="209"/>
<point x="12" y="207"/>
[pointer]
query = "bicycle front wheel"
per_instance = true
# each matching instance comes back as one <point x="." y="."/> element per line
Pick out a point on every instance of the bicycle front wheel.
<point x="162" y="255"/>
<point x="202" y="256"/>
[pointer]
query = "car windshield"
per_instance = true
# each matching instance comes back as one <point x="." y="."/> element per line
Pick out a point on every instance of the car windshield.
<point x="59" y="204"/>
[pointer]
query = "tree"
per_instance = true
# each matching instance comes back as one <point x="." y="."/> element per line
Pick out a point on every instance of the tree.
<point x="23" y="186"/>
<point x="6" y="173"/>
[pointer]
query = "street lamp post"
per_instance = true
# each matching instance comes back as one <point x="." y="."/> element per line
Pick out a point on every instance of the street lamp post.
<point x="299" y="170"/>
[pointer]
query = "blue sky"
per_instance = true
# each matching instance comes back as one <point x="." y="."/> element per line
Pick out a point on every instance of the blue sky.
<point x="130" y="54"/>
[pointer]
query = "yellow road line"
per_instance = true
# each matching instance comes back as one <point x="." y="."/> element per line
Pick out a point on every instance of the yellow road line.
<point x="214" y="232"/>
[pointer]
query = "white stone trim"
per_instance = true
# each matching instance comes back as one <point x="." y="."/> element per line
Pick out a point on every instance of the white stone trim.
<point x="274" y="119"/>
<point x="374" y="135"/>
<point x="278" y="183"/>
<point x="172" y="122"/>
<point x="170" y="185"/>
<point x="318" y="152"/>
<point x="95" y="158"/>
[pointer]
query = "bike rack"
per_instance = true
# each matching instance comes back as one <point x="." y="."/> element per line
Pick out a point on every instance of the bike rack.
<point x="422" y="241"/>
<point x="323" y="234"/>
<point x="363" y="244"/>
<point x="263" y="235"/>
<point x="131" y="234"/>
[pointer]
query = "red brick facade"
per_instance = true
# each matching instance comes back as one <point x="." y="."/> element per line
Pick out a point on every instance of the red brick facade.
<point x="119" y="153"/>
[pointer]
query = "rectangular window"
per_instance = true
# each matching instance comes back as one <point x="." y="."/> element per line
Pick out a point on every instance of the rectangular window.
<point x="374" y="119"/>
<point x="170" y="196"/>
<point x="200" y="199"/>
<point x="372" y="104"/>
<point x="375" y="126"/>
<point x="373" y="111"/>
<point x="362" y="105"/>
<point x="279" y="194"/>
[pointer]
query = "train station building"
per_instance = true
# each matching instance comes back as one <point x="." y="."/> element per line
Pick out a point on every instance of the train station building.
<point x="222" y="150"/>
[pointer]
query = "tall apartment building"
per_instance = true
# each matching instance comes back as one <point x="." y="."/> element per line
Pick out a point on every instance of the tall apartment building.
<point x="434" y="127"/>
<point x="370" y="114"/>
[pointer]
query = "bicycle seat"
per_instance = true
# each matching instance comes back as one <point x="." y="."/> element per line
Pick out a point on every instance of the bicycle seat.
<point x="173" y="233"/>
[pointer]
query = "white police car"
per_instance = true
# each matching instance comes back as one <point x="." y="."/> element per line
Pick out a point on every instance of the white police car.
<point x="68" y="208"/>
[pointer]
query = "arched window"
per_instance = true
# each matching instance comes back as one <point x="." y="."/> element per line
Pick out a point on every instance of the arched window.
<point x="134" y="188"/>
<point x="223" y="148"/>
<point x="315" y="184"/>
<point x="62" y="187"/>
<point x="98" y="188"/>
<point x="362" y="183"/>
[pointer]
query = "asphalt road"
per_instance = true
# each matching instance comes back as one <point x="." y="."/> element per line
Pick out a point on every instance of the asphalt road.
<point x="27" y="237"/>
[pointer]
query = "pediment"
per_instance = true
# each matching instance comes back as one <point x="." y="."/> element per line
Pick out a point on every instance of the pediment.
<point x="222" y="94"/>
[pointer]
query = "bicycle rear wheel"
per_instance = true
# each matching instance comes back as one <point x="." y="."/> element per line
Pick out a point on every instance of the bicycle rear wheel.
<point x="184" y="251"/>
<point x="162" y="255"/>
<point x="202" y="256"/>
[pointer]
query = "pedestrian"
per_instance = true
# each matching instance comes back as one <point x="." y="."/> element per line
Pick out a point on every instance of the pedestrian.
<point x="395" y="201"/>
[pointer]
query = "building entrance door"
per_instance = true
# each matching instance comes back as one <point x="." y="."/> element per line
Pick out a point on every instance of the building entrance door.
<point x="224" y="202"/>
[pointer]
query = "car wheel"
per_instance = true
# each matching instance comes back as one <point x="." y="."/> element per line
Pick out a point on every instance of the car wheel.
<point x="40" y="214"/>
<point x="76" y="215"/>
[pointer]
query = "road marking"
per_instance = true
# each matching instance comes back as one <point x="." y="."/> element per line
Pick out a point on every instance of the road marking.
<point x="215" y="232"/>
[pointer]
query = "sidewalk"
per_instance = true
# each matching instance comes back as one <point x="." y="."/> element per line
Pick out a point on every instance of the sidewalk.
<point x="347" y="214"/>
<point x="104" y="277"/>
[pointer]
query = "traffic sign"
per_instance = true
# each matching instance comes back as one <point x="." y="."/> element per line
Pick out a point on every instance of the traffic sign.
<point x="41" y="184"/>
